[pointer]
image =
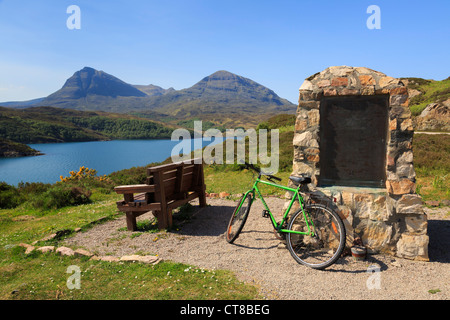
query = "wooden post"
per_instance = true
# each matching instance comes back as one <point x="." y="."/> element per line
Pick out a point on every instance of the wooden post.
<point x="179" y="179"/>
<point x="202" y="196"/>
<point x="160" y="196"/>
<point x="131" y="221"/>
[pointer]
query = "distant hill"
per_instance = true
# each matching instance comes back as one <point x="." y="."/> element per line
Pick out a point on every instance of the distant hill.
<point x="11" y="149"/>
<point x="49" y="124"/>
<point x="21" y="104"/>
<point x="223" y="95"/>
<point x="152" y="90"/>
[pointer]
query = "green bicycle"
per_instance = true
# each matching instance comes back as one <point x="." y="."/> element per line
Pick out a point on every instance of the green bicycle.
<point x="315" y="234"/>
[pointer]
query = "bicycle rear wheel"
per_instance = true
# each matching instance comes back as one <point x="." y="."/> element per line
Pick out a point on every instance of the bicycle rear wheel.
<point x="324" y="245"/>
<point x="239" y="217"/>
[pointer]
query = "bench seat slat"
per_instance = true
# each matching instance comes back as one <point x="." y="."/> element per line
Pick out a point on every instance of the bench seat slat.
<point x="136" y="188"/>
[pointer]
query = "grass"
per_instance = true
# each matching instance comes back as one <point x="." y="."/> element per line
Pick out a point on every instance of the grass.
<point x="237" y="182"/>
<point x="432" y="91"/>
<point x="44" y="276"/>
<point x="432" y="165"/>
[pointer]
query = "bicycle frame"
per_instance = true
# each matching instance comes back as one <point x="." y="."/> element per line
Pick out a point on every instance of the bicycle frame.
<point x="278" y="226"/>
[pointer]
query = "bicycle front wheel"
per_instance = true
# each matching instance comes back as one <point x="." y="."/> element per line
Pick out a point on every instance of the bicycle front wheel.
<point x="239" y="217"/>
<point x="322" y="240"/>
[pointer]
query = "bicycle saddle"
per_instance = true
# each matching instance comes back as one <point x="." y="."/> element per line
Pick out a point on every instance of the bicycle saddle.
<point x="300" y="180"/>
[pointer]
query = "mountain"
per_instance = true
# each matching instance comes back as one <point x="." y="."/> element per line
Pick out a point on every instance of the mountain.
<point x="222" y="97"/>
<point x="90" y="89"/>
<point x="221" y="92"/>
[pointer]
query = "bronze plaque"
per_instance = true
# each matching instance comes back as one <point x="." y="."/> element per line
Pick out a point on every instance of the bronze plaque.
<point x="353" y="133"/>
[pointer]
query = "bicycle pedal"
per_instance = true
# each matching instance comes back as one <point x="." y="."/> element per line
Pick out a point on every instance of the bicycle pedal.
<point x="265" y="214"/>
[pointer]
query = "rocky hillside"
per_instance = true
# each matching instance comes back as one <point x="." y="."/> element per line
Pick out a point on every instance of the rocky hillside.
<point x="429" y="103"/>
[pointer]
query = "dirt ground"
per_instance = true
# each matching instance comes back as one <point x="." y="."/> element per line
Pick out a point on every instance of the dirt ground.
<point x="258" y="258"/>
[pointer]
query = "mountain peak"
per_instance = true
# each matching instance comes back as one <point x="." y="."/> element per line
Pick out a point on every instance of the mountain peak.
<point x="89" y="83"/>
<point x="87" y="69"/>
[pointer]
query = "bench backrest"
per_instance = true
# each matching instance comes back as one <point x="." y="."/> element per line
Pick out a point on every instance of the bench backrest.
<point x="177" y="179"/>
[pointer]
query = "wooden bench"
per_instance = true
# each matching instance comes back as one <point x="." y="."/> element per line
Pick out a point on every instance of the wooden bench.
<point x="167" y="187"/>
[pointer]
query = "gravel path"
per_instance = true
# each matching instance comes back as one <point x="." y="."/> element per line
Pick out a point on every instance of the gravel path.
<point x="255" y="257"/>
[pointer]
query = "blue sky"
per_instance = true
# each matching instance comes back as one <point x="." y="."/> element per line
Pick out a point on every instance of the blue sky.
<point x="176" y="43"/>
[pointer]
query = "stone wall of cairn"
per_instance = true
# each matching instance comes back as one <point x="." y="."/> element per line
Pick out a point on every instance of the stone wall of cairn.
<point x="391" y="219"/>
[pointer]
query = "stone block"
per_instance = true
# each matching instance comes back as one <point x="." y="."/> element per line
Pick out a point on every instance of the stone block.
<point x="301" y="167"/>
<point x="405" y="157"/>
<point x="105" y="258"/>
<point x="142" y="259"/>
<point x="82" y="253"/>
<point x="349" y="92"/>
<point x="368" y="91"/>
<point x="406" y="125"/>
<point x="403" y="186"/>
<point x="367" y="80"/>
<point x="323" y="83"/>
<point x="399" y="91"/>
<point x="309" y="104"/>
<point x="414" y="247"/>
<point x="376" y="236"/>
<point x="340" y="71"/>
<point x="46" y="249"/>
<point x="339" y="81"/>
<point x="398" y="100"/>
<point x="313" y="158"/>
<point x="305" y="139"/>
<point x="301" y="125"/>
<point x="64" y="251"/>
<point x="313" y="117"/>
<point x="410" y="204"/>
<point x="393" y="124"/>
<point x="386" y="81"/>
<point x="406" y="171"/>
<point x="347" y="198"/>
<point x="416" y="224"/>
<point x="29" y="249"/>
<point x="329" y="92"/>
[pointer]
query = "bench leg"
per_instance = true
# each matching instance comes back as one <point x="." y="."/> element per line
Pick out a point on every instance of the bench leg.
<point x="162" y="223"/>
<point x="131" y="221"/>
<point x="164" y="218"/>
<point x="202" y="199"/>
<point x="169" y="218"/>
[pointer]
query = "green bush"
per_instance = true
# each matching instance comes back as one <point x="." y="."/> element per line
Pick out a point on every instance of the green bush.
<point x="59" y="196"/>
<point x="42" y="196"/>
<point x="9" y="197"/>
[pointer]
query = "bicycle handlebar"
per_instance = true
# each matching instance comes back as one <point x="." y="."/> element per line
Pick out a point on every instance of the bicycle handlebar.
<point x="269" y="176"/>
